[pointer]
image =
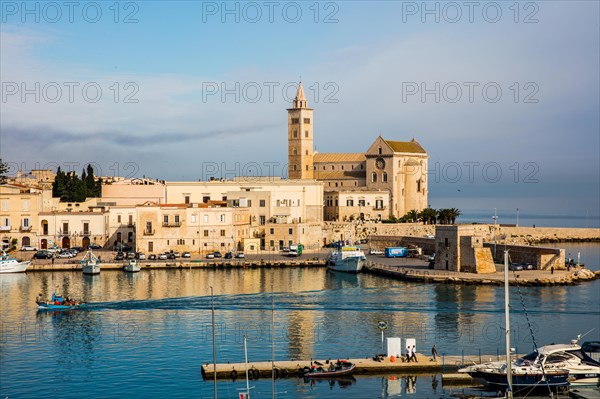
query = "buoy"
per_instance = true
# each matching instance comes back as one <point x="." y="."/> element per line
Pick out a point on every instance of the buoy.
<point x="392" y="358"/>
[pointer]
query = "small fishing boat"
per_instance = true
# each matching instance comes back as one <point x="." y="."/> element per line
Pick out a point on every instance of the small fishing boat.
<point x="132" y="266"/>
<point x="90" y="264"/>
<point x="57" y="303"/>
<point x="333" y="370"/>
<point x="12" y="265"/>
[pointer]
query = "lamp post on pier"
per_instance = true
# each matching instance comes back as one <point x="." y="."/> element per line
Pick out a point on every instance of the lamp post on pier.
<point x="517" y="217"/>
<point x="495" y="217"/>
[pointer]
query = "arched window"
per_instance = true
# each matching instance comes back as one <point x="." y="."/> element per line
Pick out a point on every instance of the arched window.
<point x="384" y="177"/>
<point x="295" y="151"/>
<point x="374" y="177"/>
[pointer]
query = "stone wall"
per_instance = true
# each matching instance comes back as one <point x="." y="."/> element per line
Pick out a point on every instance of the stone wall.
<point x="542" y="258"/>
<point x="333" y="231"/>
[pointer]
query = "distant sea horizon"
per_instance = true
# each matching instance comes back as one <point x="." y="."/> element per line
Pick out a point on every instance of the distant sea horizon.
<point x="529" y="219"/>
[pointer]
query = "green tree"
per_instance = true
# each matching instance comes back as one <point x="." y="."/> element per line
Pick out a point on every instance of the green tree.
<point x="454" y="213"/>
<point x="3" y="171"/>
<point x="428" y="216"/>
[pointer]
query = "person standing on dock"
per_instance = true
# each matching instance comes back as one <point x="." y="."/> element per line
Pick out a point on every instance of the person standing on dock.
<point x="434" y="352"/>
<point x="413" y="353"/>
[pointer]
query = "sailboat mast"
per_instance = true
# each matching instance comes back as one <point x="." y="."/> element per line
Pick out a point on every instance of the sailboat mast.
<point x="507" y="325"/>
<point x="272" y="344"/>
<point x="212" y="306"/>
<point x="246" y="366"/>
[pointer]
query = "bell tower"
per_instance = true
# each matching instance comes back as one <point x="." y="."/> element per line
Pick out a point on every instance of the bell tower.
<point x="300" y="138"/>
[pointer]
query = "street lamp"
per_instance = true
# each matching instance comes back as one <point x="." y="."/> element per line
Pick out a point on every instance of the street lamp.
<point x="517" y="217"/>
<point x="495" y="217"/>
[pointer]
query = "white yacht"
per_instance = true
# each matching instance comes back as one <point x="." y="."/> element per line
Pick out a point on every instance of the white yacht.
<point x="12" y="265"/>
<point x="90" y="264"/>
<point x="349" y="259"/>
<point x="583" y="370"/>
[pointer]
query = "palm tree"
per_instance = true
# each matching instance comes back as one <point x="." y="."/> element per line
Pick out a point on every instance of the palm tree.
<point x="412" y="216"/>
<point x="453" y="214"/>
<point x="428" y="215"/>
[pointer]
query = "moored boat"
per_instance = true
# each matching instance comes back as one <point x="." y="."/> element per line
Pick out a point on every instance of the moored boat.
<point x="90" y="264"/>
<point x="349" y="259"/>
<point x="340" y="368"/>
<point x="132" y="266"/>
<point x="12" y="265"/>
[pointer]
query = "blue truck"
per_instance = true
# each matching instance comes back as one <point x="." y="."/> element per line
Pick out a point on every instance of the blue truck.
<point x="396" y="252"/>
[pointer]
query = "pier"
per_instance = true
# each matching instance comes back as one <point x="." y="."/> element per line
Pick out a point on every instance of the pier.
<point x="293" y="368"/>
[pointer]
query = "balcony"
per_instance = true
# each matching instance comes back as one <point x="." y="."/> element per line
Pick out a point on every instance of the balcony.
<point x="171" y="224"/>
<point x="148" y="232"/>
<point x="5" y="228"/>
<point x="379" y="208"/>
<point x="86" y="233"/>
<point x="25" y="228"/>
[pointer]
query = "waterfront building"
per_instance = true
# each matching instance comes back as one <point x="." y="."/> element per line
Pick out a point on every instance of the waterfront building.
<point x="205" y="227"/>
<point x="73" y="228"/>
<point x="389" y="179"/>
<point x="20" y="206"/>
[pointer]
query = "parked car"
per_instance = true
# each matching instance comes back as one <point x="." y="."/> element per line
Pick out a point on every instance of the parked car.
<point x="119" y="256"/>
<point x="170" y="255"/>
<point x="130" y="255"/>
<point x="210" y="255"/>
<point x="186" y="255"/>
<point x="65" y="255"/>
<point x="152" y="257"/>
<point x="217" y="254"/>
<point x="73" y="251"/>
<point x="28" y="248"/>
<point x="176" y="254"/>
<point x="515" y="266"/>
<point x="120" y="247"/>
<point x="240" y="255"/>
<point x="162" y="256"/>
<point x="228" y="255"/>
<point x="432" y="257"/>
<point x="373" y="251"/>
<point x="53" y="250"/>
<point x="94" y="246"/>
<point x="140" y="256"/>
<point x="43" y="255"/>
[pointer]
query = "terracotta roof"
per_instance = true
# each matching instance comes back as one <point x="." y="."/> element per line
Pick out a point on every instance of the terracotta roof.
<point x="338" y="157"/>
<point x="406" y="146"/>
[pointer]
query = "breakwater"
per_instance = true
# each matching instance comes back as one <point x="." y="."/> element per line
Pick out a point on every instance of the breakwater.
<point x="524" y="277"/>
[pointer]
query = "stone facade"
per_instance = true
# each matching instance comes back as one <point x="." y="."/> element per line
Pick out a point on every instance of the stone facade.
<point x="394" y="170"/>
<point x="460" y="249"/>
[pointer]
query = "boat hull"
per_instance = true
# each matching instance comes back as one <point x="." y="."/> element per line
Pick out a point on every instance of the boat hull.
<point x="528" y="381"/>
<point x="346" y="265"/>
<point x="132" y="268"/>
<point x="49" y="306"/>
<point x="14" y="267"/>
<point x="91" y="269"/>
<point x="330" y="374"/>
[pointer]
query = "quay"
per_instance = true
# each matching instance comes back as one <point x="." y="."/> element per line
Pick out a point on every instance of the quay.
<point x="293" y="368"/>
<point x="180" y="264"/>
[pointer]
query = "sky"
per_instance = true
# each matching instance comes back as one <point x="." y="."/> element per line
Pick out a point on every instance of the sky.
<point x="504" y="96"/>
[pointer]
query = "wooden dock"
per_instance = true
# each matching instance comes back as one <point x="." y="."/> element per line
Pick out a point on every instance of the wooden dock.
<point x="293" y="368"/>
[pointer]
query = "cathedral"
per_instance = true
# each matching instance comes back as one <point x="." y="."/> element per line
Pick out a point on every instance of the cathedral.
<point x="389" y="179"/>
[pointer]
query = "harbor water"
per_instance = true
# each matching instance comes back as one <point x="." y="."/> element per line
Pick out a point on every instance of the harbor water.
<point x="146" y="334"/>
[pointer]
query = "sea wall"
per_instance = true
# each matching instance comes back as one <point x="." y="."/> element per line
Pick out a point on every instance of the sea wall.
<point x="510" y="235"/>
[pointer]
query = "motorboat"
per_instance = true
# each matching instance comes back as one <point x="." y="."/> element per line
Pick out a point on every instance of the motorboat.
<point x="349" y="259"/>
<point x="90" y="264"/>
<point x="57" y="303"/>
<point x="12" y="265"/>
<point x="583" y="370"/>
<point x="132" y="266"/>
<point x="340" y="368"/>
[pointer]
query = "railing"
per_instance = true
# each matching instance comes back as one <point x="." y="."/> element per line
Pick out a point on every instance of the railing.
<point x="171" y="224"/>
<point x="86" y="233"/>
<point x="5" y="228"/>
<point x="25" y="228"/>
<point x="148" y="232"/>
<point x="379" y="208"/>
